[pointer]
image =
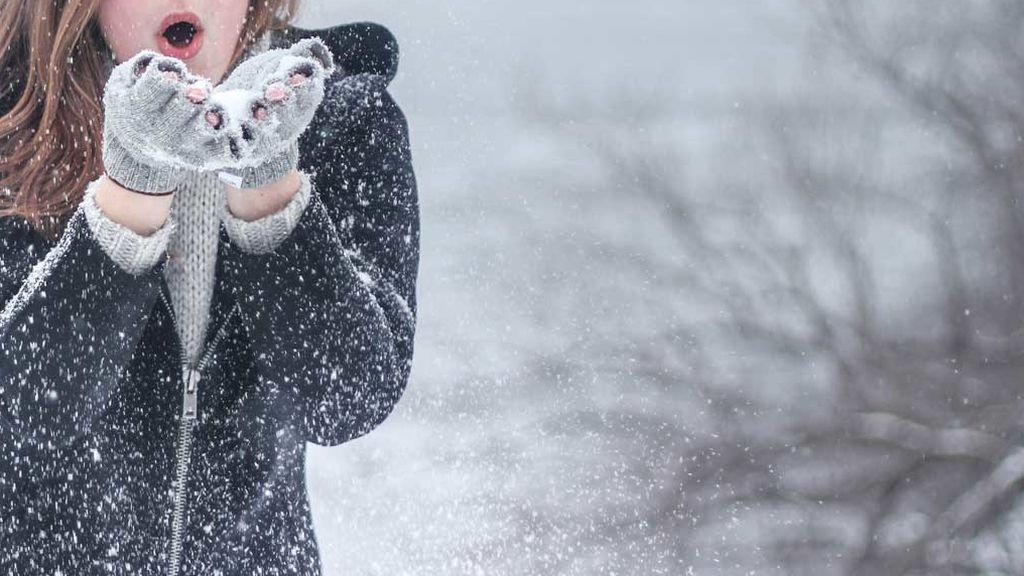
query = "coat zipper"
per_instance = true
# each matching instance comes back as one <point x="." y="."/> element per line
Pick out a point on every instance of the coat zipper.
<point x="191" y="376"/>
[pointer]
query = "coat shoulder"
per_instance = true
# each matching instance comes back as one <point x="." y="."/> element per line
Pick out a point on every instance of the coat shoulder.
<point x="358" y="47"/>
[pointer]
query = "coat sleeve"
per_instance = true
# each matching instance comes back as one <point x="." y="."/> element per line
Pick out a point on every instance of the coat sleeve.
<point x="69" y="326"/>
<point x="331" y="311"/>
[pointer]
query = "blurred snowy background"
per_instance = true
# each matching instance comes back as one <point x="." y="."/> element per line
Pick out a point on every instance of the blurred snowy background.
<point x="706" y="287"/>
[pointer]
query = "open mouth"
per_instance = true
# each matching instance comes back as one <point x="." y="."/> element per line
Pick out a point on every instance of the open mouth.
<point x="181" y="35"/>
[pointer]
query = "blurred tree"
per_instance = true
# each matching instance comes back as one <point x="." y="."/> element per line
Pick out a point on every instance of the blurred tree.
<point x="836" y="345"/>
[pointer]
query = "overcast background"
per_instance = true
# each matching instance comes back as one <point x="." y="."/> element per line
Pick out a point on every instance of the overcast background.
<point x="706" y="287"/>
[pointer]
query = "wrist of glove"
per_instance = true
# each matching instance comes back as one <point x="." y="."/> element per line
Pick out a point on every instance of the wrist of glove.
<point x="153" y="178"/>
<point x="275" y="168"/>
<point x="162" y="121"/>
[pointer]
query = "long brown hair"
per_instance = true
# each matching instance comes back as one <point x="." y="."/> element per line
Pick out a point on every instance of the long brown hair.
<point x="53" y="66"/>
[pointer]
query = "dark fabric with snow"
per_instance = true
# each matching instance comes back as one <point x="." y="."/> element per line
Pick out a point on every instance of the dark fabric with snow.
<point x="319" y="349"/>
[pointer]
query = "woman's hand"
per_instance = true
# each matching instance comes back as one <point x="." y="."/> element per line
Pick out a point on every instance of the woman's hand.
<point x="161" y="120"/>
<point x="266" y="103"/>
<point x="158" y="123"/>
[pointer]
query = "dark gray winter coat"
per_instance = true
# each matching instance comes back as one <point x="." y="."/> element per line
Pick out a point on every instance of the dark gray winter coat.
<point x="312" y="342"/>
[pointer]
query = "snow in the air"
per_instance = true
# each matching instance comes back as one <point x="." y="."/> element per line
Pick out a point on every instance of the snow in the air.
<point x="705" y="288"/>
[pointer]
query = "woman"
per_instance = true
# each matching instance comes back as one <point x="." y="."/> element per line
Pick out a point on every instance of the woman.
<point x="170" y="341"/>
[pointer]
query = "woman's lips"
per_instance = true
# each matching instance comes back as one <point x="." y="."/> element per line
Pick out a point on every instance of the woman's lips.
<point x="191" y="45"/>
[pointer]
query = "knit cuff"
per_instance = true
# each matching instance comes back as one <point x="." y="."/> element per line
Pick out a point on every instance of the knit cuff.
<point x="268" y="172"/>
<point x="267" y="233"/>
<point x="130" y="173"/>
<point x="131" y="251"/>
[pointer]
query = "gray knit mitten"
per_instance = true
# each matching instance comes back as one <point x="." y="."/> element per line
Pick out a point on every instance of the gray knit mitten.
<point x="265" y="104"/>
<point x="155" y="123"/>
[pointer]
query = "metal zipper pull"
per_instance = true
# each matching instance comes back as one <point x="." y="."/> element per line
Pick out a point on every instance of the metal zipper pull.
<point x="191" y="376"/>
<point x="190" y="409"/>
<point x="190" y="405"/>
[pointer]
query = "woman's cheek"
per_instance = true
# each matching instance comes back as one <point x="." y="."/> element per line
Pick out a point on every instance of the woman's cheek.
<point x="224" y="22"/>
<point x="122" y="23"/>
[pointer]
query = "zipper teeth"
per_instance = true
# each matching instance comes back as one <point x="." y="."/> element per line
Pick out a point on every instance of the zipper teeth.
<point x="184" y="451"/>
<point x="213" y="343"/>
<point x="216" y="339"/>
<point x="177" y="528"/>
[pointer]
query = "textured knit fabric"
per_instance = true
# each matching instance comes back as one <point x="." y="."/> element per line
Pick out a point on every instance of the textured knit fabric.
<point x="132" y="251"/>
<point x="191" y="256"/>
<point x="263" y="151"/>
<point x="190" y="237"/>
<point x="150" y="130"/>
<point x="265" y="234"/>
